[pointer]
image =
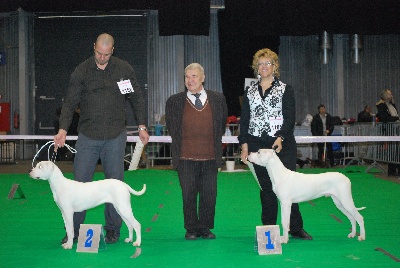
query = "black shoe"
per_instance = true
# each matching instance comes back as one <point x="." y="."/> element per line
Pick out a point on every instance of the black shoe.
<point x="191" y="235"/>
<point x="206" y="234"/>
<point x="302" y="234"/>
<point x="111" y="237"/>
<point x="65" y="239"/>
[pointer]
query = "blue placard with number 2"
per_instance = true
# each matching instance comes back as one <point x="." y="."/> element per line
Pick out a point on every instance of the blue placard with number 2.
<point x="89" y="236"/>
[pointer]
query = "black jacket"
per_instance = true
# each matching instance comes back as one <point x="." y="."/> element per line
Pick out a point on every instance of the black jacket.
<point x="364" y="116"/>
<point x="102" y="105"/>
<point x="317" y="127"/>
<point x="383" y="114"/>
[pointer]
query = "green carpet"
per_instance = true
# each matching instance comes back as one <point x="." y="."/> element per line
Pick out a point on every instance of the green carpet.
<point x="31" y="228"/>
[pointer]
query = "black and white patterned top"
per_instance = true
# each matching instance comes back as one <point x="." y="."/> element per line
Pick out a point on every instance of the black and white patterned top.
<point x="266" y="111"/>
<point x="267" y="116"/>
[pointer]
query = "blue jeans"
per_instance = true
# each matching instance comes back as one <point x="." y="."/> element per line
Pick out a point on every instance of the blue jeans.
<point x="111" y="152"/>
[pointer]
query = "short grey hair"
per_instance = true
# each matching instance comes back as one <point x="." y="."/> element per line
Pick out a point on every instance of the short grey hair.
<point x="195" y="66"/>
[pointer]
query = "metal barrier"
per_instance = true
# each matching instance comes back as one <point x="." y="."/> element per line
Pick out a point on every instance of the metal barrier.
<point x="352" y="152"/>
<point x="377" y="142"/>
<point x="231" y="151"/>
<point x="385" y="151"/>
<point x="7" y="152"/>
<point x="158" y="153"/>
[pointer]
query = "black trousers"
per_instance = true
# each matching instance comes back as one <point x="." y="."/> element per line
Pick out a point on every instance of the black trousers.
<point x="269" y="201"/>
<point x="198" y="180"/>
<point x="329" y="152"/>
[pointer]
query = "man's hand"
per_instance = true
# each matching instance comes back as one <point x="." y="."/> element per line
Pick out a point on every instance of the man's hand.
<point x="60" y="138"/>
<point x="143" y="135"/>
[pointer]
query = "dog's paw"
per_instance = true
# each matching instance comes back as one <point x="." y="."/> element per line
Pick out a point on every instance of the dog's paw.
<point x="351" y="235"/>
<point x="361" y="238"/>
<point x="284" y="240"/>
<point x="136" y="243"/>
<point x="67" y="245"/>
<point x="127" y="240"/>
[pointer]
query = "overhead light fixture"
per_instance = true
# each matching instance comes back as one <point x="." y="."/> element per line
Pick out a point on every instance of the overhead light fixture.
<point x="356" y="46"/>
<point x="325" y="45"/>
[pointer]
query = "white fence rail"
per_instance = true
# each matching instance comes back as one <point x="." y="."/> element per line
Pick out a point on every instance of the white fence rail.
<point x="377" y="142"/>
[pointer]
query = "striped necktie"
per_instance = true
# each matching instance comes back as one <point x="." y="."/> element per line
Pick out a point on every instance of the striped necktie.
<point x="198" y="103"/>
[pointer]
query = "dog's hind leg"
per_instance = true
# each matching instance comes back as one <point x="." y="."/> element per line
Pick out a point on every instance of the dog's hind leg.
<point x="138" y="229"/>
<point x="132" y="224"/>
<point x="354" y="216"/>
<point x="285" y="220"/>
<point x="360" y="221"/>
<point x="349" y="215"/>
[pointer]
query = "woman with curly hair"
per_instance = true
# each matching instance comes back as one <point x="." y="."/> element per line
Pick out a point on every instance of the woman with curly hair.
<point x="267" y="121"/>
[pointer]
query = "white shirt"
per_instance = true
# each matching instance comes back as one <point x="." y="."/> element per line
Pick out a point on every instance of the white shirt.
<point x="203" y="96"/>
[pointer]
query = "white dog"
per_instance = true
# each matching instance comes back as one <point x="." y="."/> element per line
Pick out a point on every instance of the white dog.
<point x="293" y="187"/>
<point x="72" y="196"/>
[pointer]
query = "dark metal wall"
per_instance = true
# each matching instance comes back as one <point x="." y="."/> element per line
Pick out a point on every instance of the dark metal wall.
<point x="341" y="85"/>
<point x="62" y="43"/>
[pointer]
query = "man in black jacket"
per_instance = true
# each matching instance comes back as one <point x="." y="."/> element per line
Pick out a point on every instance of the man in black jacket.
<point x="322" y="125"/>
<point x="99" y="86"/>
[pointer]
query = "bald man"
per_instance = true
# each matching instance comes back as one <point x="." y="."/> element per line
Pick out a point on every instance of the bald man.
<point x="99" y="86"/>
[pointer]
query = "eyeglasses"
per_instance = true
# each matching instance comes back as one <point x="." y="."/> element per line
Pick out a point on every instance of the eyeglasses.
<point x="267" y="63"/>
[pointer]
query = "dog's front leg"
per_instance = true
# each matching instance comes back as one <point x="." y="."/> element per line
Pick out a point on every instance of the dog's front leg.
<point x="69" y="226"/>
<point x="285" y="220"/>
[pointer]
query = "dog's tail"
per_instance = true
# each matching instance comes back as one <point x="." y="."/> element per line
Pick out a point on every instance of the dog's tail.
<point x="361" y="208"/>
<point x="137" y="192"/>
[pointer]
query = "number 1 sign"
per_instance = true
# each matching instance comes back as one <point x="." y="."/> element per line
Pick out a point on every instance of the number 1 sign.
<point x="268" y="239"/>
<point x="91" y="238"/>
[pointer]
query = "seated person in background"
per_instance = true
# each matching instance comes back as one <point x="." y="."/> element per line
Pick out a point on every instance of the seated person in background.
<point x="365" y="115"/>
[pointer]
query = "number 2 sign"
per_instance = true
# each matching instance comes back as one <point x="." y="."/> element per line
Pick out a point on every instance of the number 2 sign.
<point x="91" y="238"/>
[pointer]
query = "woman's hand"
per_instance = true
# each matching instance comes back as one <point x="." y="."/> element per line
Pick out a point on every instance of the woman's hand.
<point x="244" y="153"/>
<point x="277" y="144"/>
